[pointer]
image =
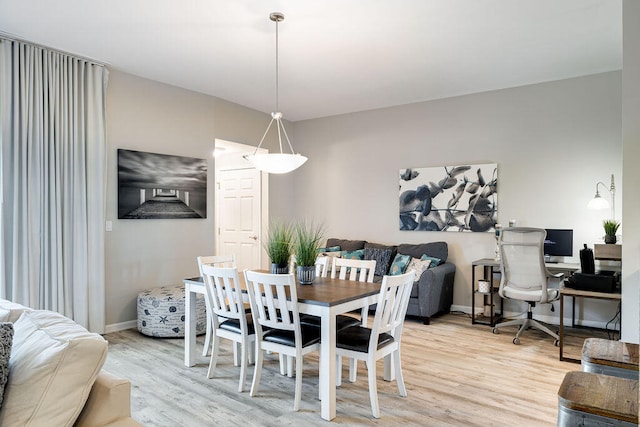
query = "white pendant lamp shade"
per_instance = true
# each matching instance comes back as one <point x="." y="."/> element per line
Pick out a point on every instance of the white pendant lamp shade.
<point x="276" y="162"/>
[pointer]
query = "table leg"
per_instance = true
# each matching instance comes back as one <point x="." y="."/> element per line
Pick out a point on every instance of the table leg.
<point x="561" y="331"/>
<point x="189" y="326"/>
<point x="327" y="382"/>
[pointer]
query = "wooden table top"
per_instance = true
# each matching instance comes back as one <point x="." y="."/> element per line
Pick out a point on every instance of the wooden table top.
<point x="324" y="291"/>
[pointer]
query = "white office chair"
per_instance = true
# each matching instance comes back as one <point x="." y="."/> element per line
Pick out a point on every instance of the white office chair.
<point x="277" y="323"/>
<point x="525" y="276"/>
<point x="216" y="261"/>
<point x="383" y="339"/>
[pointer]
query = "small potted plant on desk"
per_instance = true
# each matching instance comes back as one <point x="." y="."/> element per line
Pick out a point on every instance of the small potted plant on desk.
<point x="307" y="242"/>
<point x="278" y="246"/>
<point x="610" y="229"/>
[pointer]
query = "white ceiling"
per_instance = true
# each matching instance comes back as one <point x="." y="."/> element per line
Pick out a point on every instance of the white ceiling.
<point x="336" y="56"/>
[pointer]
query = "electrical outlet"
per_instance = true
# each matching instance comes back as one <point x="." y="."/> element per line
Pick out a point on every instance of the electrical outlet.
<point x="109" y="226"/>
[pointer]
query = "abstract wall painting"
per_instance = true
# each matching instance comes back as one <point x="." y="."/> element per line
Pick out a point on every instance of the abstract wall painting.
<point x="449" y="198"/>
<point x="160" y="186"/>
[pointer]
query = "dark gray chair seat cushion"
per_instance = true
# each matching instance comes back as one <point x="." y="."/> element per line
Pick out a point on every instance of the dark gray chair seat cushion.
<point x="310" y="335"/>
<point x="357" y="338"/>
<point x="342" y="321"/>
<point x="233" y="325"/>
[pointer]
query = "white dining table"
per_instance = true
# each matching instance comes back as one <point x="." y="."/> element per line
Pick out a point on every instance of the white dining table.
<point x="325" y="298"/>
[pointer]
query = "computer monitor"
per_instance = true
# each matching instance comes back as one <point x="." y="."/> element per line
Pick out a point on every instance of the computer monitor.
<point x="558" y="243"/>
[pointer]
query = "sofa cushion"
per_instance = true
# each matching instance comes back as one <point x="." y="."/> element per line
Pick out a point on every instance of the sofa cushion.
<point x="357" y="254"/>
<point x="53" y="365"/>
<point x="381" y="270"/>
<point x="433" y="249"/>
<point x="6" y="339"/>
<point x="382" y="258"/>
<point x="399" y="264"/>
<point x="11" y="311"/>
<point x="346" y="245"/>
<point x="419" y="266"/>
<point x="434" y="262"/>
<point x="330" y="249"/>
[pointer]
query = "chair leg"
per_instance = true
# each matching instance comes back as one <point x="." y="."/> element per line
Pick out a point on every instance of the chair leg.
<point x="236" y="354"/>
<point x="353" y="370"/>
<point x="290" y="366"/>
<point x="543" y="328"/>
<point x="207" y="337"/>
<point x="373" y="388"/>
<point x="243" y="365"/>
<point x="283" y="365"/>
<point x="214" y="356"/>
<point x="398" y="371"/>
<point x="257" y="371"/>
<point x="296" y="402"/>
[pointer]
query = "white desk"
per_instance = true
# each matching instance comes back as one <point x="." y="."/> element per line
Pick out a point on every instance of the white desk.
<point x="325" y="298"/>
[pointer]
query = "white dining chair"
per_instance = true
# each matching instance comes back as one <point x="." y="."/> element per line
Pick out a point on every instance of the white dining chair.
<point x="322" y="266"/>
<point x="274" y="307"/>
<point x="382" y="339"/>
<point x="228" y="315"/>
<point x="216" y="261"/>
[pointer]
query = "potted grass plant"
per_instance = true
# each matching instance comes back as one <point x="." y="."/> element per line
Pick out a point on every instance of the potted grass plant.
<point x="278" y="245"/>
<point x="306" y="243"/>
<point x="610" y="229"/>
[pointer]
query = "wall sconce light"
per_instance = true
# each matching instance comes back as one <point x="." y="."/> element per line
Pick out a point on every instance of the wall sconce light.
<point x="599" y="203"/>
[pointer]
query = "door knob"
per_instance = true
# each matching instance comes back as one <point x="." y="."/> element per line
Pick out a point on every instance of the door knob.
<point x="253" y="237"/>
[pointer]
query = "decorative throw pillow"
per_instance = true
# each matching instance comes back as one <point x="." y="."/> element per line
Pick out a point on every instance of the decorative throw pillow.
<point x="6" y="340"/>
<point x="399" y="264"/>
<point x="419" y="266"/>
<point x="330" y="249"/>
<point x="434" y="261"/>
<point x="382" y="258"/>
<point x="357" y="254"/>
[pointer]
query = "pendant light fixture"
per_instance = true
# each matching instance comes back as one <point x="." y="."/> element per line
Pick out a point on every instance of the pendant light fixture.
<point x="276" y="162"/>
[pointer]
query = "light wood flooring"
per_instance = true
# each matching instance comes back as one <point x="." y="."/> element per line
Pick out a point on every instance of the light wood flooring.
<point x="456" y="374"/>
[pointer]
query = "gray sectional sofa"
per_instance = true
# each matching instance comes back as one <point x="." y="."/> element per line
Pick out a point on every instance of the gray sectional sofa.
<point x="433" y="292"/>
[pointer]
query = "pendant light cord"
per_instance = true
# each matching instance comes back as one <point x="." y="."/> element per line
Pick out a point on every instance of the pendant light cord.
<point x="277" y="85"/>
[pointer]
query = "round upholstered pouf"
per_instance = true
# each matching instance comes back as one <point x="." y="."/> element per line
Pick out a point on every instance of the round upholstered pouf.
<point x="161" y="312"/>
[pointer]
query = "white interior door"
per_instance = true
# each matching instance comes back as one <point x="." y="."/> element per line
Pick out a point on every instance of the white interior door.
<point x="239" y="213"/>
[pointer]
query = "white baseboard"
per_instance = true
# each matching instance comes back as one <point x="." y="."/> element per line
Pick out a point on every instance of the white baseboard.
<point x="115" y="327"/>
<point x="551" y="320"/>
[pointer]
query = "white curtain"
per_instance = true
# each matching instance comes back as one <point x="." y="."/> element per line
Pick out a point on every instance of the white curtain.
<point x="53" y="157"/>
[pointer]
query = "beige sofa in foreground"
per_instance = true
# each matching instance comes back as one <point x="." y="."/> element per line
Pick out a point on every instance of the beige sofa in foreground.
<point x="55" y="375"/>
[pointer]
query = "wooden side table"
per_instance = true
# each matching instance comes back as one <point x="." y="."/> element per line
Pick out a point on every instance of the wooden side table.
<point x="594" y="399"/>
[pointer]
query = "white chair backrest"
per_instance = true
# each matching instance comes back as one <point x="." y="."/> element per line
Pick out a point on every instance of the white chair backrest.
<point x="522" y="259"/>
<point x="351" y="268"/>
<point x="393" y="301"/>
<point x="216" y="261"/>
<point x="223" y="293"/>
<point x="274" y="301"/>
<point x="322" y="266"/>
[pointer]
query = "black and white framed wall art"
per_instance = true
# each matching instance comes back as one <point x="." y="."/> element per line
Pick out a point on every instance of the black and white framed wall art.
<point x="160" y="186"/>
<point x="449" y="198"/>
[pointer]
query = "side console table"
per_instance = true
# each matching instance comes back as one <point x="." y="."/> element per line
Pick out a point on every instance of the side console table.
<point x="490" y="297"/>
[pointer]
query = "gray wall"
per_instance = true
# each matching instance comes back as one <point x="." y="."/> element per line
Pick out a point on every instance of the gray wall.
<point x="148" y="116"/>
<point x="552" y="142"/>
<point x="631" y="152"/>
